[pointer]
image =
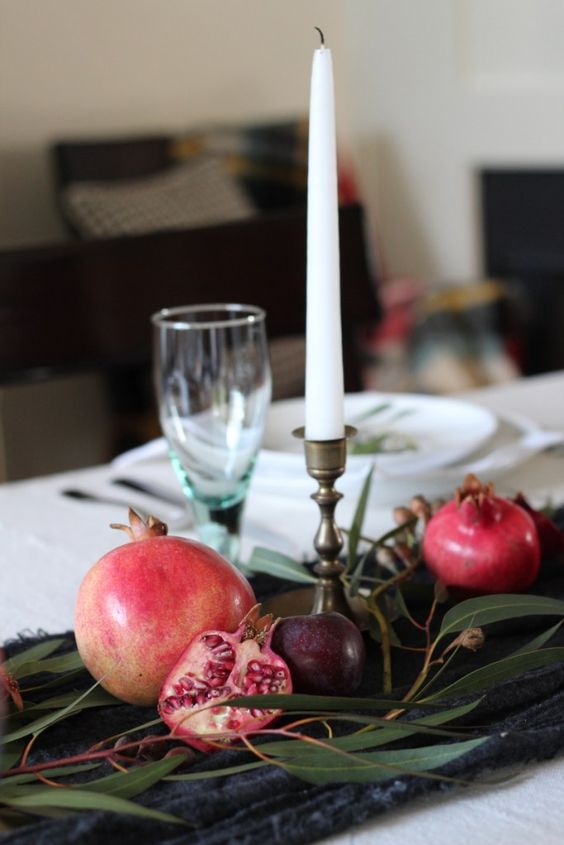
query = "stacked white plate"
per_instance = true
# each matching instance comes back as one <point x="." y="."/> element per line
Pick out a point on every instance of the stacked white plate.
<point x="427" y="444"/>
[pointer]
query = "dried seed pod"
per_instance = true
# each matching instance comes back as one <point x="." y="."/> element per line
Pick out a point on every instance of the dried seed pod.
<point x="471" y="638"/>
<point x="402" y="515"/>
<point x="421" y="508"/>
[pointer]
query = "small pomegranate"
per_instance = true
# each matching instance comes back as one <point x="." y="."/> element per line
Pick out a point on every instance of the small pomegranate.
<point x="218" y="666"/>
<point x="482" y="543"/>
<point x="324" y="651"/>
<point x="551" y="538"/>
<point x="143" y="601"/>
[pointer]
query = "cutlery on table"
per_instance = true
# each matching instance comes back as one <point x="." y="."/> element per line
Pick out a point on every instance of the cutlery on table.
<point x="176" y="515"/>
<point x="88" y="496"/>
<point x="154" y="490"/>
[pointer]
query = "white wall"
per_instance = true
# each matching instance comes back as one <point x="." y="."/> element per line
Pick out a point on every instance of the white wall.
<point x="427" y="91"/>
<point x="82" y="67"/>
<point x="444" y="87"/>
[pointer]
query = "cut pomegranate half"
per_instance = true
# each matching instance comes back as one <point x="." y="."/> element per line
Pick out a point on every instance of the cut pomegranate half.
<point x="216" y="667"/>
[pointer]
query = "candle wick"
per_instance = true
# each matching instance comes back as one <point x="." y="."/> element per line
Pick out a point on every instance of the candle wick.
<point x="320" y="35"/>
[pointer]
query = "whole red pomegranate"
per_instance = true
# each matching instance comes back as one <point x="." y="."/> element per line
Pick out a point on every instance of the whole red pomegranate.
<point x="143" y="601"/>
<point x="482" y="543"/>
<point x="218" y="666"/>
<point x="551" y="538"/>
<point x="324" y="651"/>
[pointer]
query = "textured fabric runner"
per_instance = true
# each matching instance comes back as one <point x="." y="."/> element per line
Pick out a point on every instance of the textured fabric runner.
<point x="524" y="717"/>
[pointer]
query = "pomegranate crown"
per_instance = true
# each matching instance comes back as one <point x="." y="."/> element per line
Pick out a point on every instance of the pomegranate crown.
<point x="140" y="529"/>
<point x="473" y="489"/>
<point x="257" y="627"/>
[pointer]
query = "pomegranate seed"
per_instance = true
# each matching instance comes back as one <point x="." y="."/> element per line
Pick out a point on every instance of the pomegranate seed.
<point x="200" y="685"/>
<point x="212" y="675"/>
<point x="216" y="667"/>
<point x="280" y="674"/>
<point x="252" y="690"/>
<point x="186" y="700"/>
<point x="227" y="654"/>
<point x="254" y="666"/>
<point x="201" y="698"/>
<point x="216" y="682"/>
<point x="233" y="724"/>
<point x="212" y="640"/>
<point x="258" y="714"/>
<point x="223" y="647"/>
<point x="267" y="671"/>
<point x="273" y="688"/>
<point x="187" y="683"/>
<point x="254" y="676"/>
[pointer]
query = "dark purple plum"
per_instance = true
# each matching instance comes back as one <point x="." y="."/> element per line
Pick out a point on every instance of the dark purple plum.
<point x="324" y="652"/>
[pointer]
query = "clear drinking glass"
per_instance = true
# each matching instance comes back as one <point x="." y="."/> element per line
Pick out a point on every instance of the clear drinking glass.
<point x="213" y="386"/>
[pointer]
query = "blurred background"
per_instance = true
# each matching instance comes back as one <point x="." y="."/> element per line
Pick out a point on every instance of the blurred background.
<point x="451" y="140"/>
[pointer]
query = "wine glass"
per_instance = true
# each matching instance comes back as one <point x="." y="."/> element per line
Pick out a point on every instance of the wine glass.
<point x="213" y="385"/>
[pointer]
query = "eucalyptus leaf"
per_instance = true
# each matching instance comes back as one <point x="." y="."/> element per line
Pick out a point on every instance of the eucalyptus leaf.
<point x="384" y="733"/>
<point x="278" y="565"/>
<point x="317" y="703"/>
<point x="56" y="665"/>
<point x="371" y="412"/>
<point x="539" y="641"/>
<point x="34" y="799"/>
<point x="216" y="773"/>
<point x="54" y="682"/>
<point x="59" y="771"/>
<point x="332" y="767"/>
<point x="376" y="633"/>
<point x="401" y="606"/>
<point x="355" y="530"/>
<point x="355" y="581"/>
<point x="370" y="446"/>
<point x="501" y="670"/>
<point x="43" y="722"/>
<point x="9" y="756"/>
<point x="35" y="652"/>
<point x="135" y="780"/>
<point x="480" y="611"/>
<point x="98" y="698"/>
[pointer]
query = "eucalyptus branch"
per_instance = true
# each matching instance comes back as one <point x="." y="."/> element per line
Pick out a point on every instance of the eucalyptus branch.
<point x="384" y="626"/>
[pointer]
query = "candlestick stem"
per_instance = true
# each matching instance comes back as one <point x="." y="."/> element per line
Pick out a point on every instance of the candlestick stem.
<point x="325" y="462"/>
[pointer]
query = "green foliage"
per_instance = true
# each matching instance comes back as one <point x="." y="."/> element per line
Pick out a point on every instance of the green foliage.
<point x="304" y="746"/>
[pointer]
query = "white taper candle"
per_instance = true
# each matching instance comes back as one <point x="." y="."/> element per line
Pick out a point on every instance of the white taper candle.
<point x="324" y="392"/>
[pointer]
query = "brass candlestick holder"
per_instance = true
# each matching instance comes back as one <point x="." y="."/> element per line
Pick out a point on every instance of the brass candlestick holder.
<point x="325" y="462"/>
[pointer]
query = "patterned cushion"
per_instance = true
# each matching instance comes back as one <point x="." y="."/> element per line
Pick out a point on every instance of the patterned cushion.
<point x="199" y="193"/>
<point x="269" y="160"/>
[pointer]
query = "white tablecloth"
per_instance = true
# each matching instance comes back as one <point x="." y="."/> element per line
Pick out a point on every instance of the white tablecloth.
<point x="48" y="542"/>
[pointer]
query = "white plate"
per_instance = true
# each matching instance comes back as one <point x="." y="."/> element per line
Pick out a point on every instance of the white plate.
<point x="515" y="440"/>
<point x="440" y="430"/>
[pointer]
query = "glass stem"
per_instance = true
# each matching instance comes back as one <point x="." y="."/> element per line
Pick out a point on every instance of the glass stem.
<point x="219" y="527"/>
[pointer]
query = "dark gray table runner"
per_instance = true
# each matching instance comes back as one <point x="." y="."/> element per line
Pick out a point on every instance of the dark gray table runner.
<point x="525" y="719"/>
